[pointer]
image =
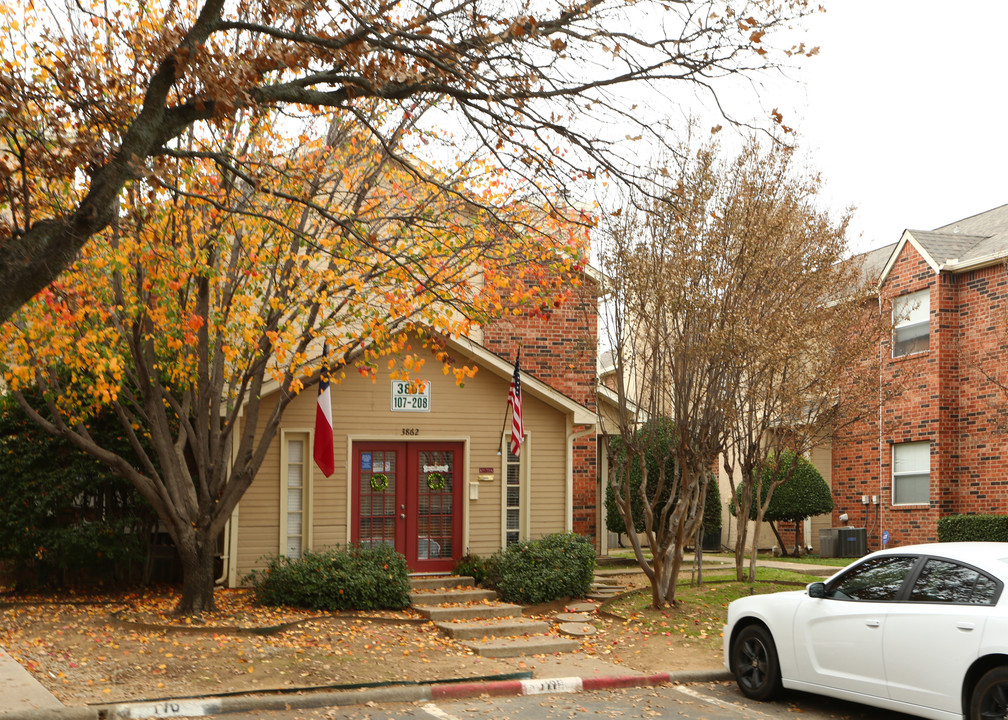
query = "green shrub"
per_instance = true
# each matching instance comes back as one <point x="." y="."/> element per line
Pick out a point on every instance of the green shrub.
<point x="956" y="528"/>
<point x="65" y="517"/>
<point x="552" y="567"/>
<point x="352" y="577"/>
<point x="492" y="571"/>
<point x="471" y="566"/>
<point x="712" y="508"/>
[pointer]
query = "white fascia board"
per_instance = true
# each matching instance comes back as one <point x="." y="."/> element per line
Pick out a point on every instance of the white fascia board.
<point x="996" y="258"/>
<point x="907" y="237"/>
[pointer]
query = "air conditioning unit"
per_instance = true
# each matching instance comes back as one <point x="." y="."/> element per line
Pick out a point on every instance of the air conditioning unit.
<point x="852" y="542"/>
<point x="828" y="542"/>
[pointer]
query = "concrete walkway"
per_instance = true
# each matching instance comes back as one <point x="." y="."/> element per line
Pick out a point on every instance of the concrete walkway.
<point x="19" y="690"/>
<point x="720" y="563"/>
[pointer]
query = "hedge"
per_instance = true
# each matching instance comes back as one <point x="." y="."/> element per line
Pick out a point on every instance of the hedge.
<point x="555" y="566"/>
<point x="352" y="577"/>
<point x="957" y="528"/>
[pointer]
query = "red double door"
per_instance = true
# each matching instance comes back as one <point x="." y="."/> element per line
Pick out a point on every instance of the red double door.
<point x="409" y="496"/>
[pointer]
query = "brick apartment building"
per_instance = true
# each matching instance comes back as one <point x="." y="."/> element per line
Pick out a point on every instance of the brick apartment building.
<point x="940" y="446"/>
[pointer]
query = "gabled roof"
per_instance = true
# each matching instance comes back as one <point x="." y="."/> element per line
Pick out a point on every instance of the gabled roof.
<point x="497" y="365"/>
<point x="957" y="247"/>
<point x="547" y="393"/>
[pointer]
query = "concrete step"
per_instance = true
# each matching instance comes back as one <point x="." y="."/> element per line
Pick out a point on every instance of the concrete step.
<point x="494" y="627"/>
<point x="436" y="582"/>
<point x="470" y="611"/>
<point x="458" y="596"/>
<point x="521" y="647"/>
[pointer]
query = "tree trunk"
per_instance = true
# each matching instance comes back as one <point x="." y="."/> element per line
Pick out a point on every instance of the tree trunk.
<point x="780" y="540"/>
<point x="698" y="558"/>
<point x="197" y="554"/>
<point x="754" y="547"/>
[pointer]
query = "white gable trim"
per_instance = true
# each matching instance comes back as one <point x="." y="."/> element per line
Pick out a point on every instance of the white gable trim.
<point x="504" y="369"/>
<point x="907" y="237"/>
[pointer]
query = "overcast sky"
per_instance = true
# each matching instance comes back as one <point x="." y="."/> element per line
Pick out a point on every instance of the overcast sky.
<point x="905" y="111"/>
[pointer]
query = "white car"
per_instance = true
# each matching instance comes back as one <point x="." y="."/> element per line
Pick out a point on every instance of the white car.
<point x="921" y="629"/>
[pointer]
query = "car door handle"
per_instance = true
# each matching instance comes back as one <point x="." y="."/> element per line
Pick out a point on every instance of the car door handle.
<point x="965" y="626"/>
<point x="872" y="623"/>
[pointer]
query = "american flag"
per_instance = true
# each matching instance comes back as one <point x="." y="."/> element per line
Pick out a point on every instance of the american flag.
<point x="514" y="400"/>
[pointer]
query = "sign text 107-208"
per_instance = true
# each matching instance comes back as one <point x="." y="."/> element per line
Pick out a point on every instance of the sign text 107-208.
<point x="407" y="398"/>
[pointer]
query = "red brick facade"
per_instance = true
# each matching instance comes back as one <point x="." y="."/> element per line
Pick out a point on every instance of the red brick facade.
<point x="559" y="348"/>
<point x="943" y="398"/>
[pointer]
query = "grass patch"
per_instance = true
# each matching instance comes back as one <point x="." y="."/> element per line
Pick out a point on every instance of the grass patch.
<point x="628" y="554"/>
<point x="816" y="560"/>
<point x="700" y="612"/>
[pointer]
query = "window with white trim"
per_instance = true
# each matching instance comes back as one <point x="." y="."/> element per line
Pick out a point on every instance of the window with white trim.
<point x="912" y="473"/>
<point x="295" y="495"/>
<point x="911" y="323"/>
<point x="512" y="499"/>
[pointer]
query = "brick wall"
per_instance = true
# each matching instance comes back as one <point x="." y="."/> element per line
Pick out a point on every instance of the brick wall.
<point x="980" y="467"/>
<point x="944" y="399"/>
<point x="558" y="347"/>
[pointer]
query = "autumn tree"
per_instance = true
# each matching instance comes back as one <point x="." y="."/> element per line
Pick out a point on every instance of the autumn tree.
<point x="208" y="290"/>
<point x="735" y="314"/>
<point x="807" y="317"/>
<point x="670" y="349"/>
<point x="96" y="96"/>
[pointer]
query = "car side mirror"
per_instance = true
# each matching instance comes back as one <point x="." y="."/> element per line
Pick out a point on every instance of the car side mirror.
<point x="817" y="590"/>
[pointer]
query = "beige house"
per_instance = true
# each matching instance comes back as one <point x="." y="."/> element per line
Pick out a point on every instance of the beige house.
<point x="428" y="473"/>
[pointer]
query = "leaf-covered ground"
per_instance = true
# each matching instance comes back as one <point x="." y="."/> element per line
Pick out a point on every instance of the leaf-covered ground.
<point x="95" y="649"/>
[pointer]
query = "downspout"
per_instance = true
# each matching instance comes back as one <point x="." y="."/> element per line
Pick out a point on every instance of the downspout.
<point x="226" y="554"/>
<point x="569" y="494"/>
<point x="880" y="425"/>
<point x="230" y="541"/>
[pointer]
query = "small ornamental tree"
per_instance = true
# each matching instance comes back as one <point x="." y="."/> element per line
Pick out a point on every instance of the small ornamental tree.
<point x="799" y="493"/>
<point x="614" y="518"/>
<point x="646" y="478"/>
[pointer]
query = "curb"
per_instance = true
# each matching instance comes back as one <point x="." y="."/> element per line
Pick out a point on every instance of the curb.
<point x="409" y="693"/>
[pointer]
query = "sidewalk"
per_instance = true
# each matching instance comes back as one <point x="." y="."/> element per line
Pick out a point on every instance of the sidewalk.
<point x="553" y="677"/>
<point x="21" y="690"/>
<point x="713" y="564"/>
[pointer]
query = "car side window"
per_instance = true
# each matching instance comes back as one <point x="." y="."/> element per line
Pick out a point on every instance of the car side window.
<point x="949" y="582"/>
<point x="877" y="580"/>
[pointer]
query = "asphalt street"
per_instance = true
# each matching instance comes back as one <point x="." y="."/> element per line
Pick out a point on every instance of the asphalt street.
<point x="700" y="701"/>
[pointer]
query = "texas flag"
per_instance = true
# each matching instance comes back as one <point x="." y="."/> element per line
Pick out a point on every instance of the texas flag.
<point x="323" y="446"/>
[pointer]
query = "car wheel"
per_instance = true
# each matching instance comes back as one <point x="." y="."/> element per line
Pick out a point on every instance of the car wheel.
<point x="990" y="696"/>
<point x="754" y="662"/>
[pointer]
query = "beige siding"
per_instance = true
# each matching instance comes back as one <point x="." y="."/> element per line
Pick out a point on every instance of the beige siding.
<point x="729" y="531"/>
<point x="473" y="414"/>
<point x="822" y="458"/>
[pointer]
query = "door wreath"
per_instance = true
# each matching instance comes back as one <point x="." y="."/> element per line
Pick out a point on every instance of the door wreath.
<point x="379" y="481"/>
<point x="436" y="481"/>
